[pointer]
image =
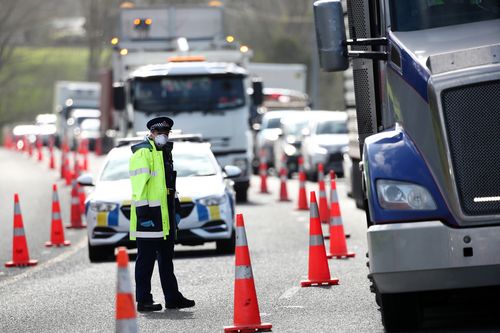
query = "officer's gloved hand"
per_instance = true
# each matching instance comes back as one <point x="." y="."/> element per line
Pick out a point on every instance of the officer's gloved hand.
<point x="177" y="219"/>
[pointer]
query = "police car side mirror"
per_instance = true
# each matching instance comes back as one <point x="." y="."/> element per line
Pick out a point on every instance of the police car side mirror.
<point x="86" y="179"/>
<point x="231" y="171"/>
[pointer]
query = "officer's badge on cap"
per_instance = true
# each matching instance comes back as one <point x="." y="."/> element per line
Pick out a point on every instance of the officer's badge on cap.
<point x="160" y="123"/>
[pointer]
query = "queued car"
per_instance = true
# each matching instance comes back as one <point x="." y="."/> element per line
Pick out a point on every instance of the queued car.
<point x="325" y="141"/>
<point x="74" y="124"/>
<point x="205" y="191"/>
<point x="268" y="133"/>
<point x="287" y="148"/>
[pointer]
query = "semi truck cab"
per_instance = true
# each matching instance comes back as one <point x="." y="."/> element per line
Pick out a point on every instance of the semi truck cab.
<point x="426" y="80"/>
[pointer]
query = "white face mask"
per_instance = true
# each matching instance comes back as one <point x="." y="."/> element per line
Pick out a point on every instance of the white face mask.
<point x="161" y="140"/>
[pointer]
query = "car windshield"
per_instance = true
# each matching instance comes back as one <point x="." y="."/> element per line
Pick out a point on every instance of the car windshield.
<point x="188" y="93"/>
<point x="426" y="14"/>
<point x="187" y="164"/>
<point x="273" y="123"/>
<point x="332" y="127"/>
<point x="295" y="127"/>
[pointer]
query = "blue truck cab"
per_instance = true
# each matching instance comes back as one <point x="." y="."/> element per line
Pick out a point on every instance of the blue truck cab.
<point x="427" y="89"/>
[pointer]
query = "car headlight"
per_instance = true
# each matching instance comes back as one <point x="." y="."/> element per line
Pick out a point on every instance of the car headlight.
<point x="319" y="150"/>
<point x="213" y="200"/>
<point x="290" y="150"/>
<point x="102" y="206"/>
<point x="398" y="195"/>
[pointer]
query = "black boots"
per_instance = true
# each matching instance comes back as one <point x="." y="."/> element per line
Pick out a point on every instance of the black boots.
<point x="180" y="303"/>
<point x="148" y="307"/>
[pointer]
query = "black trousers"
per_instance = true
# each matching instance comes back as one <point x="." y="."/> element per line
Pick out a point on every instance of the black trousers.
<point x="148" y="250"/>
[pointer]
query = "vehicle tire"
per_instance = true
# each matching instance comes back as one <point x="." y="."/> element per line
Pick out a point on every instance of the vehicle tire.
<point x="101" y="253"/>
<point x="400" y="312"/>
<point x="226" y="246"/>
<point x="241" y="195"/>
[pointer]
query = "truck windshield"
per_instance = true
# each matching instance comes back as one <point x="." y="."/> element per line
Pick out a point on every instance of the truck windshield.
<point x="426" y="14"/>
<point x="193" y="93"/>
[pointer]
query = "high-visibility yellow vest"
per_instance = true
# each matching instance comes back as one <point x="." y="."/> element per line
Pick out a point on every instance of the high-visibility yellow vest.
<point x="149" y="210"/>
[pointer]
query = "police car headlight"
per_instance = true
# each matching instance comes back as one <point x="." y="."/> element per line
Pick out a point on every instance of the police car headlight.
<point x="398" y="195"/>
<point x="213" y="200"/>
<point x="102" y="206"/>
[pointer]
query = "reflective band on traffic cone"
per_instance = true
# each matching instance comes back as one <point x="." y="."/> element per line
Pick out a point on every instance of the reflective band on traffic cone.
<point x="338" y="246"/>
<point x="246" y="307"/>
<point x="263" y="173"/>
<point x="283" y="178"/>
<point x="56" y="229"/>
<point x="324" y="213"/>
<point x="20" y="253"/>
<point x="126" y="317"/>
<point x="319" y="272"/>
<point x="302" y="201"/>
<point x="76" y="213"/>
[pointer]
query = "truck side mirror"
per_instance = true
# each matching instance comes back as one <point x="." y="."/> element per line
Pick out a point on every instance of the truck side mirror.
<point x="330" y="35"/>
<point x="118" y="96"/>
<point x="258" y="92"/>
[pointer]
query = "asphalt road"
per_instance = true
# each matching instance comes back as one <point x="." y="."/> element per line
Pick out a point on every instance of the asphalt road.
<point x="66" y="293"/>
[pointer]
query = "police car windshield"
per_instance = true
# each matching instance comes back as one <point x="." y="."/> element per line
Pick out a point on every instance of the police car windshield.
<point x="188" y="93"/>
<point x="187" y="164"/>
<point x="426" y="14"/>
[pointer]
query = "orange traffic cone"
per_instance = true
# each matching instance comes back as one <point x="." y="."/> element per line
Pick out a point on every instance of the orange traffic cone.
<point x="81" y="198"/>
<point x="302" y="201"/>
<point x="324" y="214"/>
<point x="20" y="253"/>
<point x="30" y="147"/>
<point x="283" y="178"/>
<point x="246" y="307"/>
<point x="125" y="305"/>
<point x="76" y="166"/>
<point x="98" y="147"/>
<point x="85" y="154"/>
<point x="39" y="148"/>
<point x="76" y="213"/>
<point x="68" y="175"/>
<point x="63" y="164"/>
<point x="338" y="246"/>
<point x="319" y="272"/>
<point x="263" y="173"/>
<point x="56" y="229"/>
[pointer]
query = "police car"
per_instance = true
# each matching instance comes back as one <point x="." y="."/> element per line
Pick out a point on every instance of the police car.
<point x="205" y="191"/>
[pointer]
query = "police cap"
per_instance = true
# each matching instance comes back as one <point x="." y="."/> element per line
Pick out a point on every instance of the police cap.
<point x="160" y="123"/>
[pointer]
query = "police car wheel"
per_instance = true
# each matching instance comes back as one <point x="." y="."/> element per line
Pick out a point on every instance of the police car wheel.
<point x="226" y="246"/>
<point x="101" y="253"/>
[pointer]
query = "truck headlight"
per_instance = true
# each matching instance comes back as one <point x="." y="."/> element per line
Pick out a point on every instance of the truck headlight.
<point x="102" y="206"/>
<point x="213" y="200"/>
<point x="397" y="195"/>
<point x="290" y="150"/>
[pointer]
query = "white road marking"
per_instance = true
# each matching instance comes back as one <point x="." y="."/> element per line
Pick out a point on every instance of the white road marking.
<point x="32" y="270"/>
<point x="290" y="293"/>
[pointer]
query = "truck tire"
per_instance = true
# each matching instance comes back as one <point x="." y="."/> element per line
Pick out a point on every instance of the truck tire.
<point x="226" y="246"/>
<point x="101" y="253"/>
<point x="400" y="312"/>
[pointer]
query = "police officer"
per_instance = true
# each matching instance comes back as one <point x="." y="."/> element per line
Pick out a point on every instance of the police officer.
<point x="153" y="218"/>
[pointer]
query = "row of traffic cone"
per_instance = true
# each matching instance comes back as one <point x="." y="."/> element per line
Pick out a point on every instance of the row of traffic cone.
<point x="20" y="252"/>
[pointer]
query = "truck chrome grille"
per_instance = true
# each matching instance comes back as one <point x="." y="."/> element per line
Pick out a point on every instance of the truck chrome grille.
<point x="472" y="120"/>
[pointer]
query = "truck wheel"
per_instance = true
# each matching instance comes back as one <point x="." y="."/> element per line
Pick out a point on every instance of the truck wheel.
<point x="226" y="246"/>
<point x="400" y="312"/>
<point x="101" y="253"/>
